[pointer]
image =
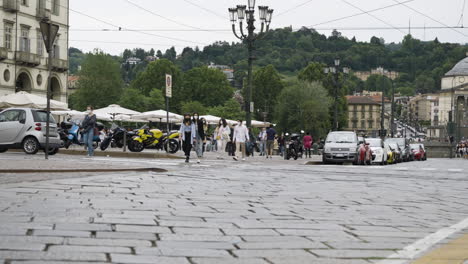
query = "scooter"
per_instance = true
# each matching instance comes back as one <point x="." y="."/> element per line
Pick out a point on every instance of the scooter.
<point x="75" y="136"/>
<point x="294" y="148"/>
<point x="116" y="136"/>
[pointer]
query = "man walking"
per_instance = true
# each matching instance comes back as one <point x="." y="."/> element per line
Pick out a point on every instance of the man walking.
<point x="241" y="135"/>
<point x="270" y="140"/>
<point x="262" y="140"/>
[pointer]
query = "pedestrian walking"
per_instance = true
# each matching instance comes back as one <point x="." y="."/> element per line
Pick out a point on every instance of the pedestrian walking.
<point x="308" y="144"/>
<point x="205" y="132"/>
<point x="199" y="136"/>
<point x="262" y="140"/>
<point x="187" y="134"/>
<point x="281" y="144"/>
<point x="270" y="140"/>
<point x="222" y="133"/>
<point x="241" y="136"/>
<point x="89" y="125"/>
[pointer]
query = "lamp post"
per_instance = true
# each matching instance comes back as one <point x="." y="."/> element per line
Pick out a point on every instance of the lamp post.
<point x="49" y="32"/>
<point x="238" y="14"/>
<point x="336" y="76"/>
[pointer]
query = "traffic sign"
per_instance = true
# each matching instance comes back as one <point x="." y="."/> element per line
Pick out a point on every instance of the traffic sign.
<point x="168" y="85"/>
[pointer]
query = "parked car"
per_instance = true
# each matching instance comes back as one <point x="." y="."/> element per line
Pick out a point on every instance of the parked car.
<point x="418" y="151"/>
<point x="340" y="146"/>
<point x="25" y="128"/>
<point x="379" y="152"/>
<point x="397" y="152"/>
<point x="403" y="143"/>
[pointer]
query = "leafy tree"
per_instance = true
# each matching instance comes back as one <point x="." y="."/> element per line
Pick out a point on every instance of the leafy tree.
<point x="193" y="107"/>
<point x="424" y="84"/>
<point x="154" y="78"/>
<point x="100" y="83"/>
<point x="207" y="86"/>
<point x="267" y="84"/>
<point x="230" y="110"/>
<point x="312" y="73"/>
<point x="134" y="99"/>
<point x="304" y="106"/>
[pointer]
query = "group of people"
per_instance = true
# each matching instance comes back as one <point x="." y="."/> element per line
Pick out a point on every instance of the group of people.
<point x="462" y="149"/>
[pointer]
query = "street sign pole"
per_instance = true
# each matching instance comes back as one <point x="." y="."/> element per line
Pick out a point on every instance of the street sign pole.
<point x="168" y="95"/>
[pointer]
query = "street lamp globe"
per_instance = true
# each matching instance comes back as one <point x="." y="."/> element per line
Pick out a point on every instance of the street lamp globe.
<point x="337" y="62"/>
<point x="241" y="12"/>
<point x="263" y="12"/>
<point x="251" y="4"/>
<point x="233" y="15"/>
<point x="269" y="16"/>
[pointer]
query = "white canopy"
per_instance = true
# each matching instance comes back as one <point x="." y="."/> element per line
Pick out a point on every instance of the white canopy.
<point x="24" y="99"/>
<point x="114" y="110"/>
<point x="256" y="123"/>
<point x="77" y="115"/>
<point x="211" y="119"/>
<point x="159" y="115"/>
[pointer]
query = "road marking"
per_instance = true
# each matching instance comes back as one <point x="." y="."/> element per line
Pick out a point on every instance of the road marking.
<point x="422" y="245"/>
<point x="453" y="252"/>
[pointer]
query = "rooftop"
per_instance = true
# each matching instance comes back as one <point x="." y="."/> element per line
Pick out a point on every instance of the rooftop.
<point x="362" y="100"/>
<point x="461" y="68"/>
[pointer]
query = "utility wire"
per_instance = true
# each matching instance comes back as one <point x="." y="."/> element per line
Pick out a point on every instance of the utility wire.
<point x="206" y="9"/>
<point x="120" y="27"/>
<point x="381" y="20"/>
<point x="460" y="22"/>
<point x="295" y="7"/>
<point x="359" y="14"/>
<point x="433" y="19"/>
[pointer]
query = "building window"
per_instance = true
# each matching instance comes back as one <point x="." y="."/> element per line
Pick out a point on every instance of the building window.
<point x="56" y="7"/>
<point x="363" y="124"/>
<point x="363" y="111"/>
<point x="371" y="123"/>
<point x="56" y="48"/>
<point x="25" y="43"/>
<point x="354" y="124"/>
<point x="40" y="44"/>
<point x="24" y="2"/>
<point x="8" y="35"/>
<point x="371" y="111"/>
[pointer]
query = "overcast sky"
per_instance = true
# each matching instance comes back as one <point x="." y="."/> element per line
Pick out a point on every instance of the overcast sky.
<point x="180" y="23"/>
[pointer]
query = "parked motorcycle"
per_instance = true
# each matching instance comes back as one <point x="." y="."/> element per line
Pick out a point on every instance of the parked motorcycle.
<point x="115" y="137"/>
<point x="294" y="147"/>
<point x="154" y="139"/>
<point x="75" y="135"/>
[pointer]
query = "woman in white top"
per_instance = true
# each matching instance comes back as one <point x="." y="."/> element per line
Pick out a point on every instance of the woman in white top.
<point x="222" y="133"/>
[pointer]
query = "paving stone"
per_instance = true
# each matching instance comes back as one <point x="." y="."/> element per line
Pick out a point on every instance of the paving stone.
<point x="229" y="261"/>
<point x="200" y="231"/>
<point x="346" y="253"/>
<point x="194" y="244"/>
<point x="294" y="260"/>
<point x="83" y="227"/>
<point x="196" y="237"/>
<point x="140" y="259"/>
<point x="250" y="232"/>
<point x="182" y="252"/>
<point x="126" y="235"/>
<point x="8" y="245"/>
<point x="103" y="249"/>
<point x="64" y="256"/>
<point x="108" y="242"/>
<point x="52" y="262"/>
<point x="265" y="253"/>
<point x="130" y="221"/>
<point x="281" y="245"/>
<point x="143" y="229"/>
<point x="64" y="233"/>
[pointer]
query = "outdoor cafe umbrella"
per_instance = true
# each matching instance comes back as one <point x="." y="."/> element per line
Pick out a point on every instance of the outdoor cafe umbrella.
<point x="24" y="99"/>
<point x="159" y="115"/>
<point x="211" y="119"/>
<point x="113" y="110"/>
<point x="256" y="123"/>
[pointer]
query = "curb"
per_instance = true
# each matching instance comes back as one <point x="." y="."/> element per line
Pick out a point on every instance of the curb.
<point x="121" y="154"/>
<point x="82" y="170"/>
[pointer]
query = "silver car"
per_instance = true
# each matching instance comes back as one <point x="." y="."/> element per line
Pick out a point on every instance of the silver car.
<point x="25" y="128"/>
<point x="340" y="146"/>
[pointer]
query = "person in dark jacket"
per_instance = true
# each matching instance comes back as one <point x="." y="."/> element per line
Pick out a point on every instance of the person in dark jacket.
<point x="88" y="125"/>
<point x="199" y="136"/>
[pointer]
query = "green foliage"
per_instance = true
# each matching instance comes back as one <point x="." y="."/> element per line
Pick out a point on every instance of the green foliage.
<point x="207" y="86"/>
<point x="312" y="73"/>
<point x="304" y="106"/>
<point x="75" y="59"/>
<point x="230" y="110"/>
<point x="134" y="99"/>
<point x="100" y="83"/>
<point x="193" y="107"/>
<point x="267" y="84"/>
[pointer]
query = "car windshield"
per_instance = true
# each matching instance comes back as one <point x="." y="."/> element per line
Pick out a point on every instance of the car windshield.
<point x="374" y="142"/>
<point x="341" y="138"/>
<point x="399" y="141"/>
<point x="41" y="116"/>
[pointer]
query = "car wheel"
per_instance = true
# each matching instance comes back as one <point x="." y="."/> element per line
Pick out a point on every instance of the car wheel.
<point x="30" y="145"/>
<point x="3" y="150"/>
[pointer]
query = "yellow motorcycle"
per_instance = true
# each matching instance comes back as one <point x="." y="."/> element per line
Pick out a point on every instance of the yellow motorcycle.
<point x="154" y="139"/>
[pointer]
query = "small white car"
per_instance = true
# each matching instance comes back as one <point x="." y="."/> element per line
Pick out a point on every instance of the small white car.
<point x="379" y="150"/>
<point x="25" y="128"/>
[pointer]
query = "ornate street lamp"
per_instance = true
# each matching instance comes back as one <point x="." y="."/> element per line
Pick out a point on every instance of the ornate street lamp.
<point x="336" y="74"/>
<point x="247" y="13"/>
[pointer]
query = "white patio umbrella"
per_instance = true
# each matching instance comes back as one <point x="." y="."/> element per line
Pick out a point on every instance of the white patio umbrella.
<point x="113" y="110"/>
<point x="211" y="119"/>
<point x="67" y="112"/>
<point x="24" y="99"/>
<point x="256" y="123"/>
<point x="159" y="115"/>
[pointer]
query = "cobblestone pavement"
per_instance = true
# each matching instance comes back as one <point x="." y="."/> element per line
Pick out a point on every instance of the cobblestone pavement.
<point x="226" y="212"/>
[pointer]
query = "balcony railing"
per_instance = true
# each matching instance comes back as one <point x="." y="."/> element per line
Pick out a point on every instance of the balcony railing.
<point x="11" y="5"/>
<point x="3" y="53"/>
<point x="59" y="65"/>
<point x="27" y="58"/>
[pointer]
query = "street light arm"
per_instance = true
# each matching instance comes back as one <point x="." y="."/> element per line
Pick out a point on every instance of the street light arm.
<point x="235" y="33"/>
<point x="242" y="30"/>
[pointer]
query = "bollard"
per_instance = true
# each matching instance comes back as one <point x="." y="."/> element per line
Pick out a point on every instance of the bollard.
<point x="125" y="141"/>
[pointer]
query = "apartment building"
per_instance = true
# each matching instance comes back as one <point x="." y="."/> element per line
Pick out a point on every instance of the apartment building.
<point x="364" y="115"/>
<point x="23" y="56"/>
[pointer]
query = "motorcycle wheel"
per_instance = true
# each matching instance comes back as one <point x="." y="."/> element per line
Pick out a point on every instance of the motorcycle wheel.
<point x="95" y="145"/>
<point x="172" y="146"/>
<point x="105" y="143"/>
<point x="136" y="146"/>
<point x="67" y="144"/>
